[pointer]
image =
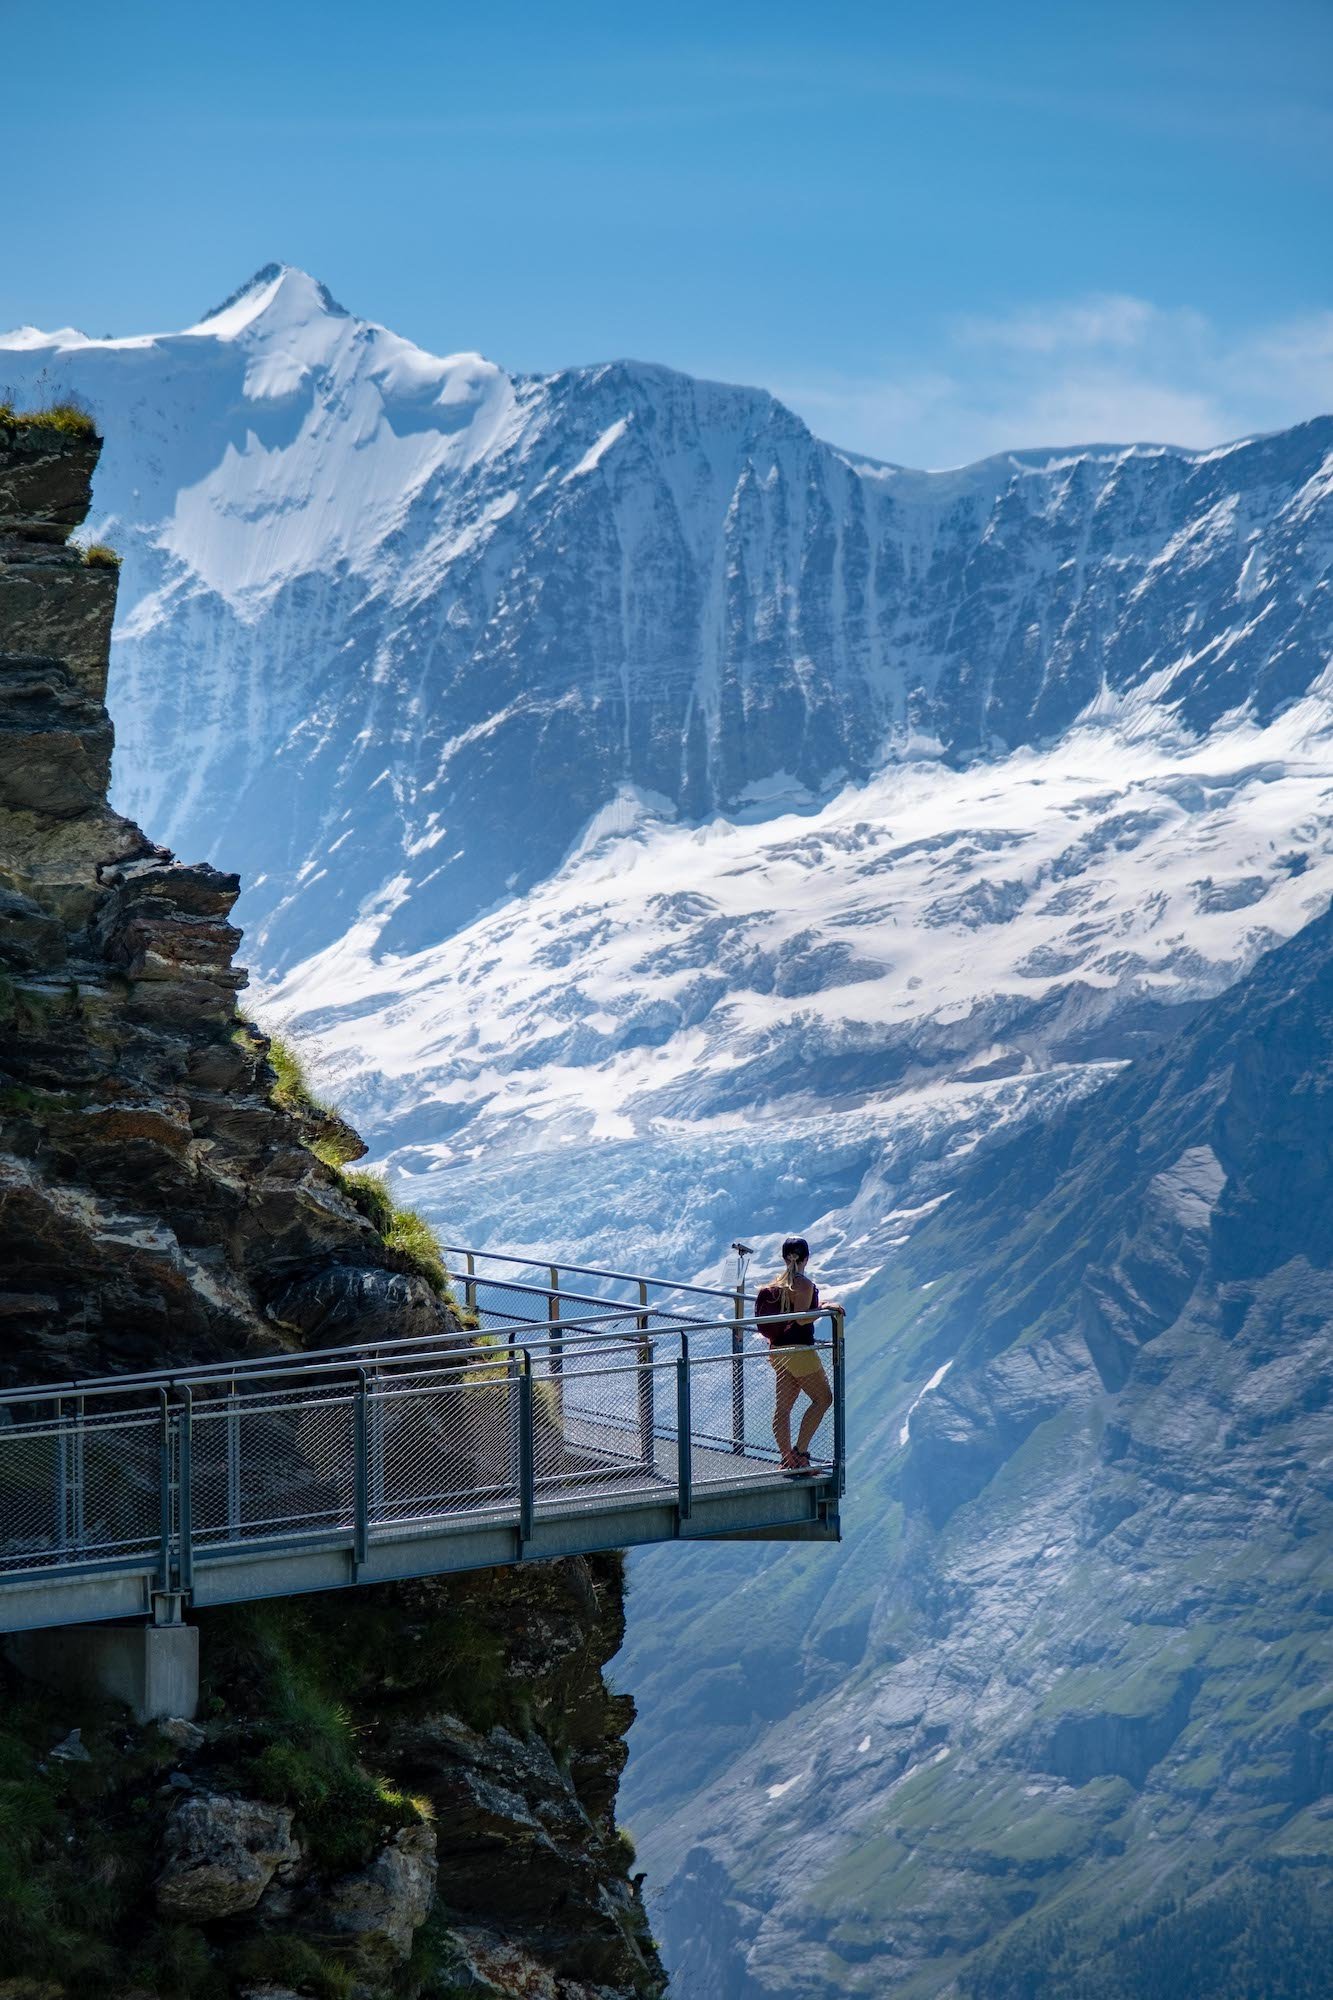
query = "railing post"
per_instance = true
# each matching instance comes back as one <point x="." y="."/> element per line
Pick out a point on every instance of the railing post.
<point x="557" y="1347"/>
<point x="233" y="1465"/>
<point x="527" y="1458"/>
<point x="375" y="1414"/>
<point x="77" y="1472"/>
<point x="165" y="1522"/>
<point x="644" y="1384"/>
<point x="838" y="1318"/>
<point x="470" y="1286"/>
<point x="738" y="1373"/>
<point x="684" y="1433"/>
<point x="62" y="1479"/>
<point x="360" y="1472"/>
<point x="185" y="1479"/>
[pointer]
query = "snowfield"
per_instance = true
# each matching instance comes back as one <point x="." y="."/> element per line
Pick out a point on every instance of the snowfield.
<point x="902" y="957"/>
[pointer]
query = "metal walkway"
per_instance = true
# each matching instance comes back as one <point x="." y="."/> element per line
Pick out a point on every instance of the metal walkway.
<point x="630" y="1412"/>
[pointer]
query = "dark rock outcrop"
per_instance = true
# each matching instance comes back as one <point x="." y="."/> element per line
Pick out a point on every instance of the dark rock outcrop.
<point x="156" y="1199"/>
<point x="159" y="1201"/>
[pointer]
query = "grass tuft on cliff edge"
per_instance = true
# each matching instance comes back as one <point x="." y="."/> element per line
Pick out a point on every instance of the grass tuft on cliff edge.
<point x="324" y="1131"/>
<point x="67" y="417"/>
<point x="100" y="555"/>
<point x="402" y="1229"/>
<point x="326" y="1134"/>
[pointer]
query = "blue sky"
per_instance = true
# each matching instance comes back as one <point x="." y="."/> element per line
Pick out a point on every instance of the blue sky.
<point x="936" y="230"/>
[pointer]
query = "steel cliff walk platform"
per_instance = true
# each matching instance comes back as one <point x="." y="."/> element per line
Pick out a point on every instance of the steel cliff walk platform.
<point x="590" y="1410"/>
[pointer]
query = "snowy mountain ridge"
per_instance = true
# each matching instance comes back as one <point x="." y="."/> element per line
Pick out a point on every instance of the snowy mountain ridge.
<point x="419" y="580"/>
<point x="620" y="773"/>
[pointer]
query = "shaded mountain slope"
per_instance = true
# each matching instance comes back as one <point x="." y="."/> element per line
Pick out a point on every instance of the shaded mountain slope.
<point x="1075" y="1657"/>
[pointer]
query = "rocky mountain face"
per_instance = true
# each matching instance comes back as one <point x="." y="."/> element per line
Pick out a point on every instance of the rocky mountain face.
<point x="620" y="774"/>
<point x="407" y="1794"/>
<point x="1068" y="1688"/>
<point x="461" y="611"/>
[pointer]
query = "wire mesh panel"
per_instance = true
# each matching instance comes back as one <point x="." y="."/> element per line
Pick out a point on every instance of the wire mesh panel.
<point x="444" y="1444"/>
<point x="733" y="1405"/>
<point x="513" y="1303"/>
<point x="272" y="1463"/>
<point x="79" y="1489"/>
<point x="122" y="1496"/>
<point x="594" y="1421"/>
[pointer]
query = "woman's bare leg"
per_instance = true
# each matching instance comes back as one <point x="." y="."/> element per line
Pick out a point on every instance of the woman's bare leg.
<point x="817" y="1389"/>
<point x="784" y="1403"/>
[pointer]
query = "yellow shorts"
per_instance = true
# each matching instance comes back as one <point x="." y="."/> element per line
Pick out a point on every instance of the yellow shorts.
<point x="799" y="1361"/>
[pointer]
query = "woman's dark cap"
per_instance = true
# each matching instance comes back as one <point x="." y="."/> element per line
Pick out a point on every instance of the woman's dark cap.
<point x="795" y="1246"/>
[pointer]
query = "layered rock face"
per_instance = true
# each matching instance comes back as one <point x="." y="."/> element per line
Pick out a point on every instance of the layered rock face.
<point x="411" y="1792"/>
<point x="156" y="1202"/>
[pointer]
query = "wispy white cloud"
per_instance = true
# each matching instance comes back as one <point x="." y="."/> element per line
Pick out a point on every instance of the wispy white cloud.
<point x="1104" y="319"/>
<point x="1106" y="368"/>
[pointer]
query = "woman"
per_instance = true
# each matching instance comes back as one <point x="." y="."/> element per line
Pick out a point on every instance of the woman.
<point x="792" y="1301"/>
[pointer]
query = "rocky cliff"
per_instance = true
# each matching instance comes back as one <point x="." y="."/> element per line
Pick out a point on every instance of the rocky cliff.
<point x="408" y="1792"/>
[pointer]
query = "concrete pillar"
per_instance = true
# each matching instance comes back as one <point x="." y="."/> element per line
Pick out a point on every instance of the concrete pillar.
<point x="153" y="1669"/>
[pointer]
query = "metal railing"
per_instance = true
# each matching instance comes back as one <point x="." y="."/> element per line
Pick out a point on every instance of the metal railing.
<point x="531" y="1422"/>
<point x="645" y="1292"/>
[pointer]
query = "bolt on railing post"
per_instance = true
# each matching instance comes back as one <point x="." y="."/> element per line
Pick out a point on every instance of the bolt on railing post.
<point x="360" y="1472"/>
<point x="839" y="1318"/>
<point x="470" y="1286"/>
<point x="185" y="1478"/>
<point x="684" y="1432"/>
<point x="527" y="1457"/>
<point x="644" y="1384"/>
<point x="165" y="1522"/>
<point x="738" y="1374"/>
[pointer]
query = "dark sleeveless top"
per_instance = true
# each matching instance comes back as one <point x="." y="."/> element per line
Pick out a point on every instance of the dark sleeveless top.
<point x="788" y="1332"/>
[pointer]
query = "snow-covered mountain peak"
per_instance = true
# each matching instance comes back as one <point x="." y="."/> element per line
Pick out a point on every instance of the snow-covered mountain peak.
<point x="277" y="296"/>
<point x="284" y="289"/>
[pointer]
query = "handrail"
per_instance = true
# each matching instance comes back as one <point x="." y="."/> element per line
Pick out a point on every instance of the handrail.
<point x="585" y="1271"/>
<point x="441" y="1352"/>
<point x="299" y="1357"/>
